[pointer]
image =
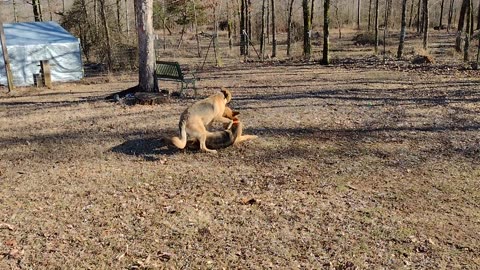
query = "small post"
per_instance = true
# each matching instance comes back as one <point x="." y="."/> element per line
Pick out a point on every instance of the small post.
<point x="5" y="58"/>
<point x="46" y="74"/>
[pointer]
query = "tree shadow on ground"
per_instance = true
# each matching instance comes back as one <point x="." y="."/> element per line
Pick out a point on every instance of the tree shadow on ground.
<point x="147" y="148"/>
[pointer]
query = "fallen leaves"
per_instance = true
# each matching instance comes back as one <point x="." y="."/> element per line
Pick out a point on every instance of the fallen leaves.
<point x="6" y="226"/>
<point x="248" y="201"/>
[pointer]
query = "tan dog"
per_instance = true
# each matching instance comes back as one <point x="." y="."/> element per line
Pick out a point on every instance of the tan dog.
<point x="195" y="118"/>
<point x="225" y="138"/>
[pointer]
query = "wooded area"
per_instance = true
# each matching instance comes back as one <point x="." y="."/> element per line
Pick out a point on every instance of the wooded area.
<point x="254" y="27"/>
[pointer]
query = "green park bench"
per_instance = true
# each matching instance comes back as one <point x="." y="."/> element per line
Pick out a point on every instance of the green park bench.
<point x="171" y="71"/>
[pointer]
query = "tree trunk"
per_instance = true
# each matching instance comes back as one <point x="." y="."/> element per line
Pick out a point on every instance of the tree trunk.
<point x="422" y="18"/>
<point x="369" y="15"/>
<point x="376" y="26"/>
<point x="461" y="24"/>
<point x="411" y="14"/>
<point x="14" y="3"/>
<point x="289" y="28"/>
<point x="267" y="25"/>
<point x="197" y="38"/>
<point x="326" y="34"/>
<point x="425" y="24"/>
<point x="85" y="32"/>
<point x="6" y="59"/>
<point x="389" y="13"/>
<point x="37" y="10"/>
<point x="358" y="13"/>
<point x="403" y="29"/>
<point x="235" y="18"/>
<point x="339" y="25"/>
<point x="466" y="56"/>
<point x="243" y="31"/>
<point x="95" y="11"/>
<point x="441" y="15"/>
<point x="478" y="18"/>
<point x="127" y="23"/>
<point x="218" y="62"/>
<point x="385" y="26"/>
<point x="450" y="15"/>
<point x="106" y="29"/>
<point x="119" y="22"/>
<point x="417" y="24"/>
<point x="307" y="45"/>
<point x="249" y="19"/>
<point x="274" y="31"/>
<point x="146" y="49"/>
<point x="229" y="27"/>
<point x="312" y="13"/>
<point x="471" y="19"/>
<point x="262" y="34"/>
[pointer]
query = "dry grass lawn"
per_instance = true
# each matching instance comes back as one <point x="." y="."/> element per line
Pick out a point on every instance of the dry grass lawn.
<point x="356" y="166"/>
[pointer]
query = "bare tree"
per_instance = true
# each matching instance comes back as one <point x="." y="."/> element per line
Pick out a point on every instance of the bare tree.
<point x="307" y="44"/>
<point x="262" y="34"/>
<point x="450" y="15"/>
<point x="478" y="17"/>
<point x="37" y="10"/>
<point x="289" y="27"/>
<point x="385" y="27"/>
<point x="376" y="26"/>
<point x="118" y="11"/>
<point x="243" y="30"/>
<point x="103" y="17"/>
<point x="461" y="25"/>
<point x="6" y="59"/>
<point x="249" y="19"/>
<point x="95" y="11"/>
<point x="417" y="23"/>
<point x="146" y="67"/>
<point x="312" y="11"/>
<point x="425" y="24"/>
<point x="403" y="29"/>
<point x="197" y="38"/>
<point x="338" y="20"/>
<point x="466" y="56"/>
<point x="274" y="31"/>
<point x="326" y="32"/>
<point x="358" y="13"/>
<point x="15" y="17"/>
<point x="127" y="22"/>
<point x="369" y="14"/>
<point x="229" y="26"/>
<point x="441" y="15"/>
<point x="411" y="14"/>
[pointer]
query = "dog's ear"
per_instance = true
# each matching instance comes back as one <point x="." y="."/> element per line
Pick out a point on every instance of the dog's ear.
<point x="235" y="113"/>
<point x="227" y="94"/>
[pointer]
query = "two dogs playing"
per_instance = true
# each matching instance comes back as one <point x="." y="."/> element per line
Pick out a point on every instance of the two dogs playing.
<point x="195" y="120"/>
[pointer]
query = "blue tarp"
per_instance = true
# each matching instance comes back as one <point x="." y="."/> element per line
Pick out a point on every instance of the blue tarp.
<point x="30" y="42"/>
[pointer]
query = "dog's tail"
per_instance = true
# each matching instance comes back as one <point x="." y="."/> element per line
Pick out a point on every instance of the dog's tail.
<point x="182" y="141"/>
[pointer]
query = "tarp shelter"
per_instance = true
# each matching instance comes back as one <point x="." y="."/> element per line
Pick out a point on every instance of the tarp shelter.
<point x="28" y="43"/>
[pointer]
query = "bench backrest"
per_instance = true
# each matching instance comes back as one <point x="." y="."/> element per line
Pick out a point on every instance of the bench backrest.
<point x="170" y="70"/>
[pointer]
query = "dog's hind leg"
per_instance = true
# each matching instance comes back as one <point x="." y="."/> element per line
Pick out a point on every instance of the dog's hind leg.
<point x="199" y="132"/>
<point x="203" y="146"/>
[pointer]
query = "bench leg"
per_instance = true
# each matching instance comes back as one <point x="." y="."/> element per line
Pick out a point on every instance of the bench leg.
<point x="194" y="90"/>
<point x="182" y="90"/>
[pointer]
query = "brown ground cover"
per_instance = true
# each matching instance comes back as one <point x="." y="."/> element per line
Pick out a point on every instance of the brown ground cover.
<point x="358" y="165"/>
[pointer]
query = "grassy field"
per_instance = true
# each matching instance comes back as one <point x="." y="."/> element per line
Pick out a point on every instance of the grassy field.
<point x="358" y="165"/>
